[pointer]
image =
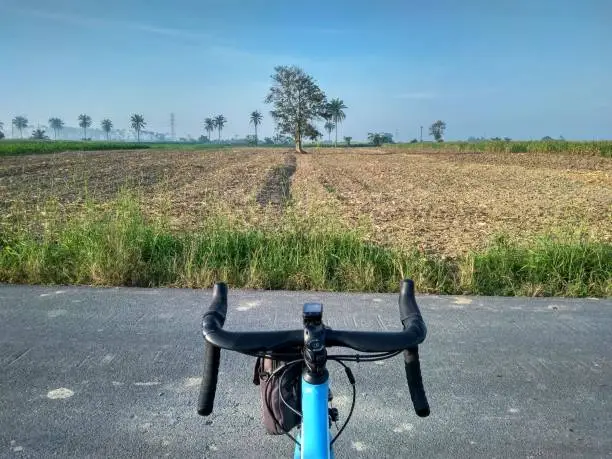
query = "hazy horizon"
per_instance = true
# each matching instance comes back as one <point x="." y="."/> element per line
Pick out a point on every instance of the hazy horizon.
<point x="522" y="69"/>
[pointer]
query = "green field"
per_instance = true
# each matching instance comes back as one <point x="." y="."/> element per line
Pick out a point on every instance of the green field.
<point x="31" y="147"/>
<point x="603" y="148"/>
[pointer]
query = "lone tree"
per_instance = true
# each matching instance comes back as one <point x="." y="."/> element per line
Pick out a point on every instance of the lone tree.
<point x="84" y="122"/>
<point x="336" y="109"/>
<point x="219" y="121"/>
<point x="297" y="102"/>
<point x="256" y="118"/>
<point x="437" y="130"/>
<point x="348" y="139"/>
<point x="107" y="125"/>
<point x="138" y="123"/>
<point x="209" y="126"/>
<point x="57" y="125"/>
<point x="20" y="122"/>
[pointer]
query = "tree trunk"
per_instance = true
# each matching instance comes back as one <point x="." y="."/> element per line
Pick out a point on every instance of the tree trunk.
<point x="298" y="145"/>
<point x="219" y="136"/>
<point x="255" y="135"/>
<point x="336" y="143"/>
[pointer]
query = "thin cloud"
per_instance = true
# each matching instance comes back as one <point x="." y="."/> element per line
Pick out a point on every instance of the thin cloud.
<point x="85" y="21"/>
<point x="422" y="95"/>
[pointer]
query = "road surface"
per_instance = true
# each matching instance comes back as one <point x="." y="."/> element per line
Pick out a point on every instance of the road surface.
<point x="115" y="372"/>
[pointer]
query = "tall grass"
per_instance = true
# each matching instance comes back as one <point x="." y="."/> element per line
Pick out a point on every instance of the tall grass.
<point x="117" y="246"/>
<point x="546" y="267"/>
<point x="30" y="147"/>
<point x="601" y="148"/>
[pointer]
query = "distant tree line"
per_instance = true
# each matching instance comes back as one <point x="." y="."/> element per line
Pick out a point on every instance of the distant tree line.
<point x="137" y="123"/>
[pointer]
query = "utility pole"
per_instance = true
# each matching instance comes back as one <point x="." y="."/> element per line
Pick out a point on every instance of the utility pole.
<point x="421" y="134"/>
<point x="172" y="127"/>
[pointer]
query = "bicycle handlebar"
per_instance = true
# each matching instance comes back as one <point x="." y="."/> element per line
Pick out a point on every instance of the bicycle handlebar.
<point x="212" y="354"/>
<point x="408" y="339"/>
<point x="412" y="365"/>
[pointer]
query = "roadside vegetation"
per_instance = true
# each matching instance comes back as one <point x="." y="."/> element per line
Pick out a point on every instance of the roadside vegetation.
<point x="31" y="147"/>
<point x="117" y="245"/>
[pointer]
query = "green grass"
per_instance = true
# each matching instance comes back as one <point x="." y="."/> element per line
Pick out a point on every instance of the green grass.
<point x="30" y="147"/>
<point x="546" y="267"/>
<point x="117" y="246"/>
<point x="602" y="148"/>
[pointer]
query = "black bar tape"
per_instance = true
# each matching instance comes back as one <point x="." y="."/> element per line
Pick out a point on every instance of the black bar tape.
<point x="212" y="358"/>
<point x="415" y="382"/>
<point x="407" y="303"/>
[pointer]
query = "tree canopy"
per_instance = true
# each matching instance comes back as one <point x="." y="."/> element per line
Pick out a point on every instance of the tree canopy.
<point x="107" y="125"/>
<point x="437" y="130"/>
<point x="209" y="126"/>
<point x="297" y="102"/>
<point x="20" y="122"/>
<point x="137" y="123"/>
<point x="219" y="121"/>
<point x="84" y="122"/>
<point x="336" y="109"/>
<point x="255" y="120"/>
<point x="39" y="134"/>
<point x="56" y="124"/>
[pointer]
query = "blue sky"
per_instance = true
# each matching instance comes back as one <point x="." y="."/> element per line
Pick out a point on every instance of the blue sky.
<point x="517" y="68"/>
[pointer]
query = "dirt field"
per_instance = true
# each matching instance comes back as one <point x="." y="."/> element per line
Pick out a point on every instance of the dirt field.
<point x="453" y="202"/>
<point x="444" y="202"/>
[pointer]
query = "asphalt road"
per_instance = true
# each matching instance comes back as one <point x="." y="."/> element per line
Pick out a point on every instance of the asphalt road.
<point x="115" y="373"/>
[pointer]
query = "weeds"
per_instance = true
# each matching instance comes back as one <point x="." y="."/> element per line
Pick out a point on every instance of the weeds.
<point x="116" y="245"/>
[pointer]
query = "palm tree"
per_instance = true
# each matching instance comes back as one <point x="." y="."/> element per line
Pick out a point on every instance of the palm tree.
<point x="329" y="127"/>
<point x="336" y="109"/>
<point x="256" y="118"/>
<point x="20" y="122"/>
<point x="107" y="125"/>
<point x="137" y="122"/>
<point x="209" y="127"/>
<point x="220" y="121"/>
<point x="57" y="125"/>
<point x="84" y="122"/>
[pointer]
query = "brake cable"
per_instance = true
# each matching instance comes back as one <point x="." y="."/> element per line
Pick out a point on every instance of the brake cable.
<point x="339" y="358"/>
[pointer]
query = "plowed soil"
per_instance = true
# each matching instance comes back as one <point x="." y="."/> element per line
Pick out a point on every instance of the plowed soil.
<point x="443" y="202"/>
